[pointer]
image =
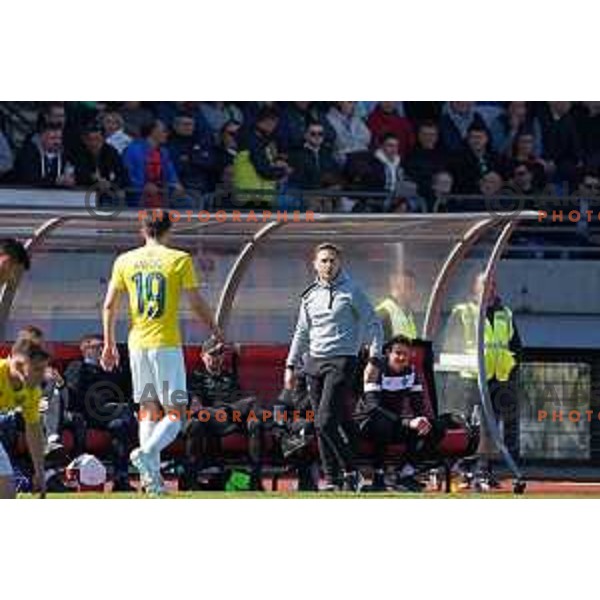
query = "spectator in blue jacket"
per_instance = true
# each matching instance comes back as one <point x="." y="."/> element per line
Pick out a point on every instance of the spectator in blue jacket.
<point x="151" y="172"/>
<point x="135" y="116"/>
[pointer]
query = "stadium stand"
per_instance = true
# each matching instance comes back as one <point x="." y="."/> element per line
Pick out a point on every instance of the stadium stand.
<point x="301" y="154"/>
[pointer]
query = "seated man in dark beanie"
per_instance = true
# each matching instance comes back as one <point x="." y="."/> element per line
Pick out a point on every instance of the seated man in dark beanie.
<point x="218" y="409"/>
<point x="101" y="398"/>
<point x="393" y="412"/>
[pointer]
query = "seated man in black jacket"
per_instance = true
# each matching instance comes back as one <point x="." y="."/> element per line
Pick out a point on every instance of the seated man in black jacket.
<point x="314" y="168"/>
<point x="393" y="412"/>
<point x="100" y="397"/>
<point x="218" y="409"/>
<point x="476" y="160"/>
<point x="98" y="164"/>
<point x="41" y="161"/>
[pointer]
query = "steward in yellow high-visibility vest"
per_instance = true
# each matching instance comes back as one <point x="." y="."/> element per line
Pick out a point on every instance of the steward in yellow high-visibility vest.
<point x="257" y="166"/>
<point x="395" y="311"/>
<point x="502" y="348"/>
<point x="499" y="346"/>
<point x="396" y="320"/>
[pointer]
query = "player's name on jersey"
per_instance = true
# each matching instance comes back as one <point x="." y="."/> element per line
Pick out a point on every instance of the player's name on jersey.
<point x="148" y="264"/>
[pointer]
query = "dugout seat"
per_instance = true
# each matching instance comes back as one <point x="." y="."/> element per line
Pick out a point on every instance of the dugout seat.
<point x="260" y="370"/>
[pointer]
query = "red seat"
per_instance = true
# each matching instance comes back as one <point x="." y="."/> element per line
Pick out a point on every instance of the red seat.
<point x="97" y="442"/>
<point x="67" y="441"/>
<point x="456" y="443"/>
<point x="235" y="444"/>
<point x="261" y="369"/>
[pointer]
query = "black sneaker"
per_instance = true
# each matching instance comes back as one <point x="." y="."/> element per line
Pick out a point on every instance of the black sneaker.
<point x="486" y="481"/>
<point x="353" y="482"/>
<point x="408" y="484"/>
<point x="378" y="484"/>
<point x="55" y="484"/>
<point x="494" y="481"/>
<point x="55" y="455"/>
<point x="256" y="483"/>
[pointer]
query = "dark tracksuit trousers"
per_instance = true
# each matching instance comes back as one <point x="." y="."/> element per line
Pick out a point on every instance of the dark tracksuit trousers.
<point x="384" y="428"/>
<point x="203" y="438"/>
<point x="330" y="383"/>
<point x="120" y="423"/>
<point x="504" y="396"/>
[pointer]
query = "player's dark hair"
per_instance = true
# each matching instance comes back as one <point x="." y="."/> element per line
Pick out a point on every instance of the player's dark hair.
<point x="28" y="349"/>
<point x="16" y="251"/>
<point x="30" y="331"/>
<point x="156" y="223"/>
<point x="328" y="246"/>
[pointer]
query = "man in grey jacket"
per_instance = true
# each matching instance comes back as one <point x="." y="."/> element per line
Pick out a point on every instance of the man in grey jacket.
<point x="335" y="316"/>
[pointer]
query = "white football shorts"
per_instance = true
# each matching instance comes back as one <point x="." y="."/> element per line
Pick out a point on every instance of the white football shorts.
<point x="159" y="374"/>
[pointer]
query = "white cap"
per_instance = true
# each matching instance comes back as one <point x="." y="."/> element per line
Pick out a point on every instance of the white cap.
<point x="91" y="471"/>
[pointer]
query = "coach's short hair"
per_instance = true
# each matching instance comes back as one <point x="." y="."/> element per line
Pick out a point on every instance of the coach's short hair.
<point x="156" y="223"/>
<point x="16" y="251"/>
<point x="328" y="246"/>
<point x="28" y="349"/>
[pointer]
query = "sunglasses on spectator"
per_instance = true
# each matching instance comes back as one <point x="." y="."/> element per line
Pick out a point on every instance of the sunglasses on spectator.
<point x="315" y="133"/>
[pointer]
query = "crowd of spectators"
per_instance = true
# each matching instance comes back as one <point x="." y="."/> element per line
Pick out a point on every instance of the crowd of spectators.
<point x="327" y="156"/>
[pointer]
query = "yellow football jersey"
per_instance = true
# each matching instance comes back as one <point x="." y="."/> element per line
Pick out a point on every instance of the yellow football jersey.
<point x="27" y="398"/>
<point x="154" y="276"/>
